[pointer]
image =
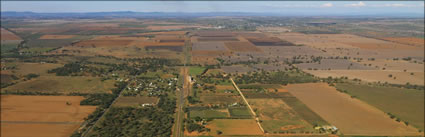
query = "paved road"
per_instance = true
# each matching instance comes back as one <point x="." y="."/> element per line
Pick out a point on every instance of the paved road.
<point x="180" y="103"/>
<point x="178" y="130"/>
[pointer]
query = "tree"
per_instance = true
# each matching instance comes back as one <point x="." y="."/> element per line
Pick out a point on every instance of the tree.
<point x="219" y="132"/>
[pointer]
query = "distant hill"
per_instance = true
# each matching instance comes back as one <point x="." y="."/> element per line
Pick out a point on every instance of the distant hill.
<point x="9" y="14"/>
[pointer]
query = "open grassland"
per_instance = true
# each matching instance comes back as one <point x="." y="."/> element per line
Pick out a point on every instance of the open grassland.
<point x="41" y="116"/>
<point x="397" y="77"/>
<point x="234" y="127"/>
<point x="196" y="70"/>
<point x="124" y="101"/>
<point x="242" y="47"/>
<point x="277" y="116"/>
<point x="351" y="116"/>
<point x="220" y="99"/>
<point x="240" y="112"/>
<point x="406" y="104"/>
<point x="63" y="84"/>
<point x="27" y="68"/>
<point x="209" y="113"/>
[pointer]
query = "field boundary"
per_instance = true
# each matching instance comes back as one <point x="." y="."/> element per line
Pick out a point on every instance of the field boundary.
<point x="249" y="106"/>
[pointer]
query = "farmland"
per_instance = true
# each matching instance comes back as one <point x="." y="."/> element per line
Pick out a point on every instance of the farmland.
<point x="63" y="85"/>
<point x="347" y="109"/>
<point x="42" y="116"/>
<point x="408" y="106"/>
<point x="149" y="76"/>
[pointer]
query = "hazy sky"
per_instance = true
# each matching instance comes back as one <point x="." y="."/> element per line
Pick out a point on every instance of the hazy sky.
<point x="300" y="7"/>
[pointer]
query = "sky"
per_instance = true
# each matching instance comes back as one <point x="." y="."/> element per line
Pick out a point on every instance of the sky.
<point x="298" y="7"/>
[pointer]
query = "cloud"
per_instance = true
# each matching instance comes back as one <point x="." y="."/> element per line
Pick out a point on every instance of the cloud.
<point x="360" y="4"/>
<point x="327" y="5"/>
<point x="397" y="5"/>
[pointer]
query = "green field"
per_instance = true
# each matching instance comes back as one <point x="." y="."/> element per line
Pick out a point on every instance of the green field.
<point x="196" y="70"/>
<point x="239" y="112"/>
<point x="208" y="113"/>
<point x="63" y="84"/>
<point x="406" y="104"/>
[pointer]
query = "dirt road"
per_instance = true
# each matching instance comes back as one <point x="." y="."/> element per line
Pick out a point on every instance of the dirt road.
<point x="249" y="106"/>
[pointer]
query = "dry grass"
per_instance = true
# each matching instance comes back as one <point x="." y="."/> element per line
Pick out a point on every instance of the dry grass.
<point x="234" y="127"/>
<point x="42" y="116"/>
<point x="398" y="77"/>
<point x="57" y="36"/>
<point x="7" y="35"/>
<point x="351" y="116"/>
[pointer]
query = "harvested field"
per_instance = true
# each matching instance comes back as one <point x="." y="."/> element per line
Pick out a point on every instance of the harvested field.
<point x="57" y="36"/>
<point x="351" y="116"/>
<point x="7" y="35"/>
<point x="63" y="84"/>
<point x="206" y="33"/>
<point x="209" y="39"/>
<point x="242" y="47"/>
<point x="41" y="116"/>
<point x="251" y="34"/>
<point x="234" y="127"/>
<point x="397" y="77"/>
<point x="204" y="60"/>
<point x="343" y="41"/>
<point x="135" y="101"/>
<point x="409" y="106"/>
<point x="171" y="48"/>
<point x="224" y="87"/>
<point x="176" y="27"/>
<point x="102" y="43"/>
<point x="362" y="42"/>
<point x="209" y="46"/>
<point x="274" y="29"/>
<point x="162" y="44"/>
<point x="269" y="41"/>
<point x="165" y="33"/>
<point x="290" y="51"/>
<point x="407" y="40"/>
